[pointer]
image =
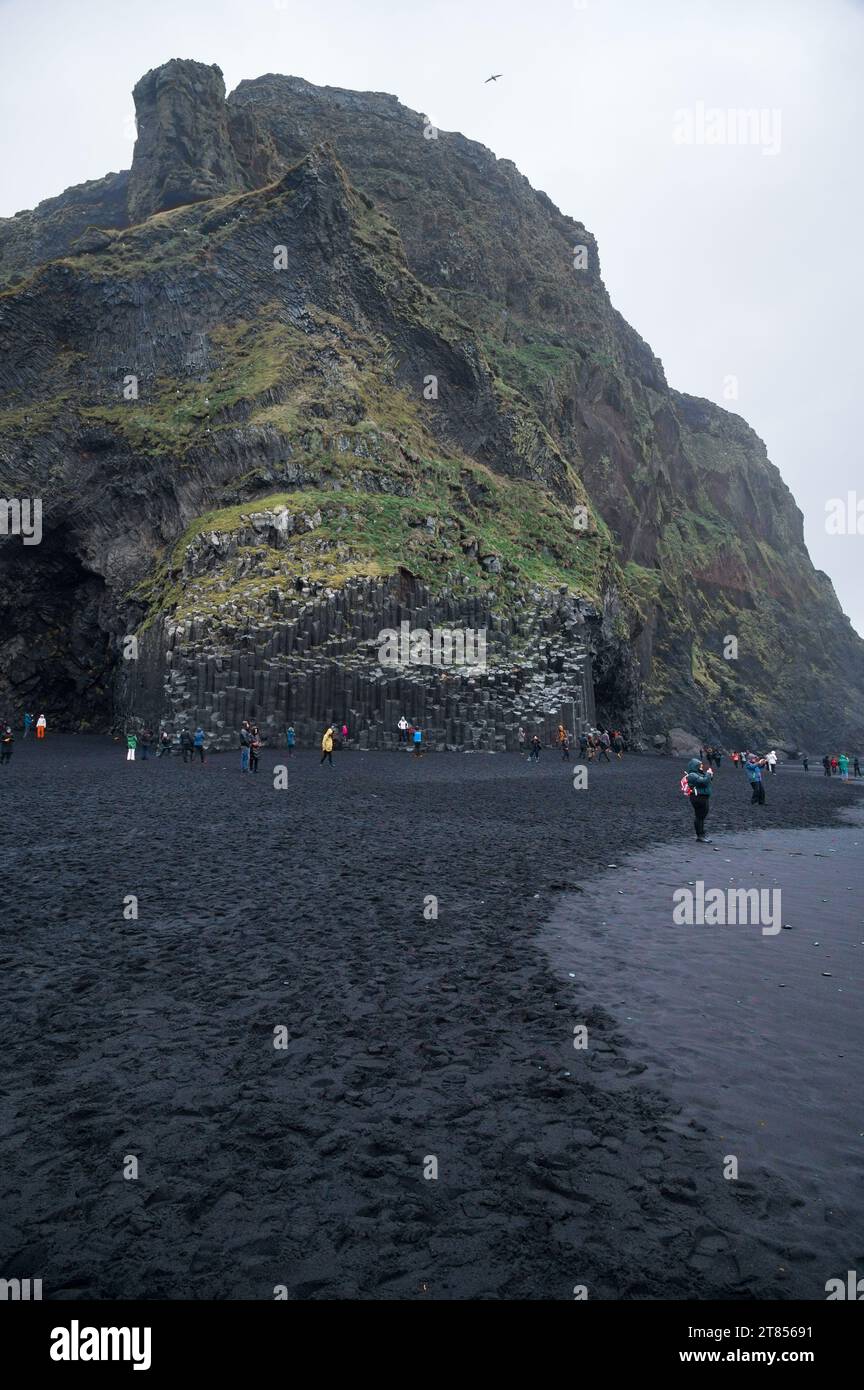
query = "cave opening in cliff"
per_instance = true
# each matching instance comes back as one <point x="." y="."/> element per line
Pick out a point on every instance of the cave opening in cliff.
<point x="54" y="649"/>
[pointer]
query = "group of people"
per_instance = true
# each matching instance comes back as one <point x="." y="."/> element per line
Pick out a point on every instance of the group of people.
<point x="834" y="765"/>
<point x="697" y="780"/>
<point x="410" y="734"/>
<point x="7" y="735"/>
<point x="188" y="745"/>
<point x="593" y="743"/>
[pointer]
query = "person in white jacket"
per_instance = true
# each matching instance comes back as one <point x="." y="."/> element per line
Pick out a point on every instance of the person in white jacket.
<point x="41" y="726"/>
<point x="771" y="759"/>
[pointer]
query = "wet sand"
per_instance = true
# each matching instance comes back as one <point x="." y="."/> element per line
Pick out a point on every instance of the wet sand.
<point x="757" y="1035"/>
<point x="407" y="1038"/>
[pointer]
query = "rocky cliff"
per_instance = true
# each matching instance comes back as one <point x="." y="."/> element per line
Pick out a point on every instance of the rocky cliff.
<point x="313" y="365"/>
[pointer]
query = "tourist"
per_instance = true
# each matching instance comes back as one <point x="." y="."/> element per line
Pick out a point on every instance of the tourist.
<point x="186" y="746"/>
<point x="562" y="733"/>
<point x="403" y="729"/>
<point x="290" y="739"/>
<point x="146" y="742"/>
<point x="856" y="767"/>
<point x="534" y="755"/>
<point x="583" y="744"/>
<point x="255" y="745"/>
<point x="699" y="781"/>
<point x="164" y="748"/>
<point x="753" y="768"/>
<point x="834" y="764"/>
<point x="7" y="739"/>
<point x="41" y="726"/>
<point x="417" y="737"/>
<point x="522" y="736"/>
<point x="806" y="761"/>
<point x="736" y="760"/>
<point x="245" y="744"/>
<point x="843" y="762"/>
<point x="604" y="746"/>
<point x="771" y="760"/>
<point x="344" y="732"/>
<point x="198" y="744"/>
<point x="565" y="748"/>
<point x="131" y="745"/>
<point x="327" y="746"/>
<point x="618" y="745"/>
<point x="28" y="724"/>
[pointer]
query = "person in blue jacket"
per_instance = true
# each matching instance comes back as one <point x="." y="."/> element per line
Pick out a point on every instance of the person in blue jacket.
<point x="198" y="743"/>
<point x="699" y="782"/>
<point x="28" y="724"/>
<point x="753" y="767"/>
<point x="418" y="743"/>
<point x="290" y="739"/>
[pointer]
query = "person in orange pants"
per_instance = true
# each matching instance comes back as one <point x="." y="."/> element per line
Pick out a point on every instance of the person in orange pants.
<point x="41" y="726"/>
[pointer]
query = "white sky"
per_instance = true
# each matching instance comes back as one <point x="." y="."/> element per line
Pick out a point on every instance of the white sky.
<point x="728" y="261"/>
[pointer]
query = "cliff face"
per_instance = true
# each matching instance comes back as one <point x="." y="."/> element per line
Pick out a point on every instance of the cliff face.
<point x="304" y="301"/>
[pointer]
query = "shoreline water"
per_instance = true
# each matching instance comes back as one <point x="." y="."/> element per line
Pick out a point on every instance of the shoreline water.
<point x="754" y="1037"/>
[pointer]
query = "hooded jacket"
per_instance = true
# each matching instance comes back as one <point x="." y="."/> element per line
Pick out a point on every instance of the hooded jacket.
<point x="327" y="741"/>
<point x="699" y="781"/>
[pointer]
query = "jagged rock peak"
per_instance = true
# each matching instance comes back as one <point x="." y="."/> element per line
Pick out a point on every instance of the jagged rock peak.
<point x="183" y="152"/>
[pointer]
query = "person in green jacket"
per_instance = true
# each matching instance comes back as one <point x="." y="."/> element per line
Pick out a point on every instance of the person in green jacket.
<point x="699" y="782"/>
<point x="844" y="767"/>
<point x="131" y="745"/>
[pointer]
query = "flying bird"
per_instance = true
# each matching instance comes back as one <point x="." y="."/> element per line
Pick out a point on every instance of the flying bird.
<point x="494" y="77"/>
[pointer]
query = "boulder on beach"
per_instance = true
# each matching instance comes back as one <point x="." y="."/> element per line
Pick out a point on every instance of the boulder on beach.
<point x="682" y="744"/>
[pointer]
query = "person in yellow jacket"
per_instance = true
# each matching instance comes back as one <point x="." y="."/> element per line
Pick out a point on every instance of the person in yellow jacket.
<point x="327" y="745"/>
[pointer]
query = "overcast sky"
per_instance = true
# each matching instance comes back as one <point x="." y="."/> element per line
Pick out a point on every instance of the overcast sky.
<point x="740" y="263"/>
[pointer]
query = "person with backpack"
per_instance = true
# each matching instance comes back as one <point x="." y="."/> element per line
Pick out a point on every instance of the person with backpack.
<point x="290" y="740"/>
<point x="753" y="768"/>
<point x="131" y="745"/>
<point x="245" y="745"/>
<point x="7" y="740"/>
<point x="698" y="784"/>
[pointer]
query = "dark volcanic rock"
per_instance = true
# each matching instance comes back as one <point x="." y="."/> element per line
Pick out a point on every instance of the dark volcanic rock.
<point x="330" y="306"/>
<point x="183" y="152"/>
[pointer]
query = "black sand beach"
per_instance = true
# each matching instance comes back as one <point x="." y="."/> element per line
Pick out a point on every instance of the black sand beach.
<point x="408" y="1037"/>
